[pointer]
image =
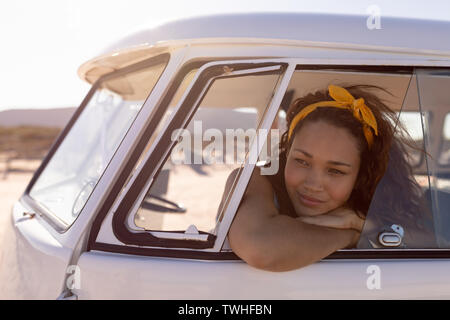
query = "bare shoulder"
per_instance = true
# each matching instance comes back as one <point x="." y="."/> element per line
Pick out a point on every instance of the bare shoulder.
<point x="258" y="187"/>
<point x="257" y="203"/>
<point x="253" y="220"/>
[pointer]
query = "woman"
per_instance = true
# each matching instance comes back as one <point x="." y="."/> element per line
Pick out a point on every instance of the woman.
<point x="332" y="157"/>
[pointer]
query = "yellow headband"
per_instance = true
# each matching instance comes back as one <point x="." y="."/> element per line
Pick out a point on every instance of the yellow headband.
<point x="343" y="100"/>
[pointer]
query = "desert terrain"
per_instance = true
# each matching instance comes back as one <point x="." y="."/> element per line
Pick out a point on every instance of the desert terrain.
<point x="11" y="187"/>
<point x="22" y="148"/>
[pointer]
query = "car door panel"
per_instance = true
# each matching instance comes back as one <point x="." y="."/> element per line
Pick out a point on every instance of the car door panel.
<point x="35" y="261"/>
<point x="120" y="276"/>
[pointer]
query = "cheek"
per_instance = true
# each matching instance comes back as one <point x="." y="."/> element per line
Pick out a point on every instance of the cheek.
<point x="340" y="191"/>
<point x="292" y="175"/>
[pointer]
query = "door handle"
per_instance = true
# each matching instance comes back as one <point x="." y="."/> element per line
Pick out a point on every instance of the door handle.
<point x="26" y="216"/>
<point x="392" y="238"/>
<point x="30" y="215"/>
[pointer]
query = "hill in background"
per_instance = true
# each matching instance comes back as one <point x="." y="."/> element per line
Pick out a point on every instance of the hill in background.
<point x="29" y="133"/>
<point x="53" y="118"/>
<point x="26" y="142"/>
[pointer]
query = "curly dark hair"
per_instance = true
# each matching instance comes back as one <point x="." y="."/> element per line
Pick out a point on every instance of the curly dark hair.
<point x="397" y="187"/>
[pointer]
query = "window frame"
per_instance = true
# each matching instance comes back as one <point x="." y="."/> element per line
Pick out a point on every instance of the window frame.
<point x="428" y="253"/>
<point x="215" y="253"/>
<point x="154" y="161"/>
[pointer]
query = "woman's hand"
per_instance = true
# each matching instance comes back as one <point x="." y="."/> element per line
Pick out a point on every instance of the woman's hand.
<point x="339" y="218"/>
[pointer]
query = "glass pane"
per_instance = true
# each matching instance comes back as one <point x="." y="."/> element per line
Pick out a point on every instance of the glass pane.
<point x="434" y="96"/>
<point x="71" y="175"/>
<point x="189" y="188"/>
<point x="444" y="155"/>
<point x="412" y="121"/>
<point x="164" y="120"/>
<point x="400" y="212"/>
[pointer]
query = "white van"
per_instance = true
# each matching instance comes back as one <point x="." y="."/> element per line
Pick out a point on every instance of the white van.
<point x="125" y="206"/>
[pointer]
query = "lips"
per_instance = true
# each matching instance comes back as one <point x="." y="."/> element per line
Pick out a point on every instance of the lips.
<point x="309" y="201"/>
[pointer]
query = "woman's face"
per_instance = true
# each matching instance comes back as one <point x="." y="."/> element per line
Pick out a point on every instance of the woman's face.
<point x="321" y="169"/>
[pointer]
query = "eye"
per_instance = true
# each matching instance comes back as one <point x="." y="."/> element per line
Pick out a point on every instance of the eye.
<point x="336" y="172"/>
<point x="302" y="162"/>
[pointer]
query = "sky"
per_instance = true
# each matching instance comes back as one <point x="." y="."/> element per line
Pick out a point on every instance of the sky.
<point x="44" y="42"/>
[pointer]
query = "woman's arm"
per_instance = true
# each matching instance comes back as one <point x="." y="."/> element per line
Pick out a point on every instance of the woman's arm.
<point x="268" y="240"/>
<point x="340" y="218"/>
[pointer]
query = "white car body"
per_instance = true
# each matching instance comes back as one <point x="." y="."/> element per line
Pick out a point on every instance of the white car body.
<point x="49" y="259"/>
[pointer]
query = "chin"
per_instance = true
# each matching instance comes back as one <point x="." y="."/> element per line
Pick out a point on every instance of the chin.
<point x="309" y="212"/>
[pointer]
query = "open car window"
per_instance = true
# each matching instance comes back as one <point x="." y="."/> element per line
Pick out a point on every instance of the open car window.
<point x="391" y="221"/>
<point x="179" y="187"/>
<point x="186" y="193"/>
<point x="178" y="192"/>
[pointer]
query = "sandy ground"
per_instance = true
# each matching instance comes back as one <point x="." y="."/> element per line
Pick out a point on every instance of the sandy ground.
<point x="11" y="188"/>
<point x="201" y="202"/>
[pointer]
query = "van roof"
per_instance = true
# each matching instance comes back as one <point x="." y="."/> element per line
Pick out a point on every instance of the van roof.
<point x="418" y="36"/>
<point x="350" y="29"/>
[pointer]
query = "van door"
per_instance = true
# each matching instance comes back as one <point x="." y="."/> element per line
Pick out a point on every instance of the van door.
<point x="165" y="235"/>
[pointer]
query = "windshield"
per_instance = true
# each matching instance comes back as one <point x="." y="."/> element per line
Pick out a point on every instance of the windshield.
<point x="72" y="173"/>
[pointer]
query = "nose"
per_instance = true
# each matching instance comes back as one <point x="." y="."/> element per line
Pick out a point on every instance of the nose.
<point x="313" y="181"/>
